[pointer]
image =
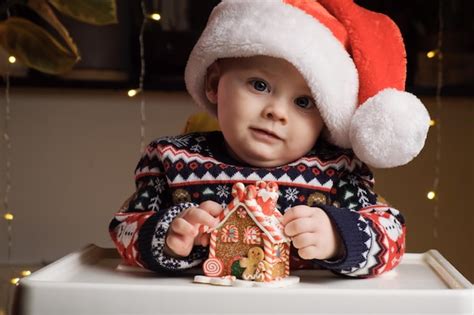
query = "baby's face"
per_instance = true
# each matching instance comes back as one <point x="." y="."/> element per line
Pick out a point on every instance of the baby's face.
<point x="265" y="110"/>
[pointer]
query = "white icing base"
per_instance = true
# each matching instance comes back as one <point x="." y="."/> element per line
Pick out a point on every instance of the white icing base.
<point x="290" y="280"/>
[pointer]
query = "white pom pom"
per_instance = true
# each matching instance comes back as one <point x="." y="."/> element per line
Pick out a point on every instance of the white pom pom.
<point x="389" y="129"/>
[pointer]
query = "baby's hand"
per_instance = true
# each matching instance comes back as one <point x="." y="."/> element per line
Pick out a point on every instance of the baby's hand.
<point x="184" y="231"/>
<point x="312" y="233"/>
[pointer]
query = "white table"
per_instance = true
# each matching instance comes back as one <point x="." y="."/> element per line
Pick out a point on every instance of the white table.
<point x="88" y="282"/>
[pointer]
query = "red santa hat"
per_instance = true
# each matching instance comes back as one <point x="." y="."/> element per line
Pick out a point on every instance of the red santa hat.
<point x="352" y="59"/>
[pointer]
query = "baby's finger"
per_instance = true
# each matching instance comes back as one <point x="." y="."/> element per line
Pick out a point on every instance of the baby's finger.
<point x="212" y="207"/>
<point x="202" y="240"/>
<point x="182" y="227"/>
<point x="309" y="252"/>
<point x="297" y="212"/>
<point x="197" y="216"/>
<point x="298" y="226"/>
<point x="180" y="245"/>
<point x="304" y="240"/>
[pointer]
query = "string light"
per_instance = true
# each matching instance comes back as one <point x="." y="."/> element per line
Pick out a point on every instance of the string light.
<point x="15" y="281"/>
<point x="439" y="106"/>
<point x="155" y="16"/>
<point x="431" y="54"/>
<point x="132" y="92"/>
<point x="141" y="79"/>
<point x="432" y="122"/>
<point x="8" y="215"/>
<point x="431" y="195"/>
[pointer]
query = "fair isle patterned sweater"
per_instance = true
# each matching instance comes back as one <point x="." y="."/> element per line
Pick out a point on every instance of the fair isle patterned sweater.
<point x="176" y="173"/>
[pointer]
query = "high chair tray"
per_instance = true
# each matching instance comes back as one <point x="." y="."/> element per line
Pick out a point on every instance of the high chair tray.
<point x="89" y="282"/>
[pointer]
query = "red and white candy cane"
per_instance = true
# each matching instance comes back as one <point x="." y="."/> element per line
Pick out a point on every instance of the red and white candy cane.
<point x="213" y="267"/>
<point x="269" y="256"/>
<point x="213" y="243"/>
<point x="287" y="263"/>
<point x="238" y="191"/>
<point x="260" y="272"/>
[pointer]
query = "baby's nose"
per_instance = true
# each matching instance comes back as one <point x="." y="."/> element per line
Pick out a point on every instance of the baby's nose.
<point x="276" y="111"/>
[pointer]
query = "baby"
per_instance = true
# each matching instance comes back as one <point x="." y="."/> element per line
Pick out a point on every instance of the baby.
<point x="306" y="94"/>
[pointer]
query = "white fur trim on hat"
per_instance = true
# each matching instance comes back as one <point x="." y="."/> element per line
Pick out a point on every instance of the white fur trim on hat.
<point x="389" y="129"/>
<point x="244" y="28"/>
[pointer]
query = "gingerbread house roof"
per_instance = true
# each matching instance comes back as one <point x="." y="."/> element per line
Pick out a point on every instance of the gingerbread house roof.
<point x="259" y="201"/>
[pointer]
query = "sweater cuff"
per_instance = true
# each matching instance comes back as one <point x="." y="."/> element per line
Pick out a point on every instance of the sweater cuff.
<point x="355" y="236"/>
<point x="151" y="243"/>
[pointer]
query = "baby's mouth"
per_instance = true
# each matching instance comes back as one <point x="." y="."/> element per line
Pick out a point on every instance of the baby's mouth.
<point x="266" y="133"/>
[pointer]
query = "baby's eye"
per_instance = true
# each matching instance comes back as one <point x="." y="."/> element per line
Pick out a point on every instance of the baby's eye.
<point x="260" y="85"/>
<point x="304" y="102"/>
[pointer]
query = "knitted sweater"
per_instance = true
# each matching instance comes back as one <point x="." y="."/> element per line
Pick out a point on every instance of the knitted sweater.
<point x="176" y="173"/>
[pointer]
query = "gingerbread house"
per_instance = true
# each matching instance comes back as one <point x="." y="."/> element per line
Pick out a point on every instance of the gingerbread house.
<point x="249" y="242"/>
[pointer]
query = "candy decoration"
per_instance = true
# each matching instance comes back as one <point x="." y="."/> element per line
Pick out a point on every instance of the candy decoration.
<point x="203" y="228"/>
<point x="252" y="235"/>
<point x="268" y="249"/>
<point x="281" y="253"/>
<point x="213" y="267"/>
<point x="230" y="234"/>
<point x="260" y="272"/>
<point x="242" y="213"/>
<point x="287" y="265"/>
<point x="236" y="270"/>
<point x="250" y="263"/>
<point x="212" y="244"/>
<point x="267" y="197"/>
<point x="238" y="191"/>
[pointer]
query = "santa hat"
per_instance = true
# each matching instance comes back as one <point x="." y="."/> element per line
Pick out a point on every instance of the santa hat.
<point x="352" y="59"/>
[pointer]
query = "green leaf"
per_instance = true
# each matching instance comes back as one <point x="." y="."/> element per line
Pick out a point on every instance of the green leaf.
<point x="46" y="12"/>
<point x="34" y="47"/>
<point x="97" y="12"/>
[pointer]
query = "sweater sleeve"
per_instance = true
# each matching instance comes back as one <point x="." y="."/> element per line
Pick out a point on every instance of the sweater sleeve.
<point x="139" y="229"/>
<point x="372" y="231"/>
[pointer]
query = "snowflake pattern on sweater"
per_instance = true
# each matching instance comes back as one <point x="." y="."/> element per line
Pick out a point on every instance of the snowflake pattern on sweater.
<point x="176" y="173"/>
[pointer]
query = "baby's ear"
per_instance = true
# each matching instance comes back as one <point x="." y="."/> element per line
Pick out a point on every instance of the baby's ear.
<point x="212" y="82"/>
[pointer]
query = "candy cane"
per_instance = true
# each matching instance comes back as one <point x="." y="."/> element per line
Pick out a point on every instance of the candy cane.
<point x="212" y="244"/>
<point x="287" y="260"/>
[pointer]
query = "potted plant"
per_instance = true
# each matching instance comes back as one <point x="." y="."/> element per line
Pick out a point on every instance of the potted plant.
<point x="35" y="46"/>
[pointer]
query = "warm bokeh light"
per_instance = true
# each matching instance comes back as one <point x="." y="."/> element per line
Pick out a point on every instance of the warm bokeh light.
<point x="432" y="122"/>
<point x="11" y="59"/>
<point x="431" y="195"/>
<point x="431" y="54"/>
<point x="155" y="16"/>
<point x="132" y="93"/>
<point x="15" y="281"/>
<point x="8" y="216"/>
<point x="25" y="273"/>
